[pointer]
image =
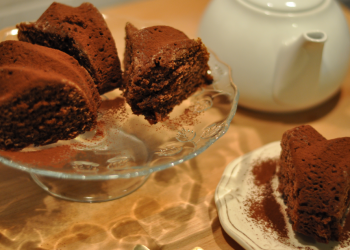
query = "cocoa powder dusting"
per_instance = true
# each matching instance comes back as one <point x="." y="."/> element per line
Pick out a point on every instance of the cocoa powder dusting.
<point x="117" y="103"/>
<point x="264" y="172"/>
<point x="114" y="112"/>
<point x="344" y="239"/>
<point x="263" y="208"/>
<point x="100" y="130"/>
<point x="188" y="118"/>
<point x="54" y="157"/>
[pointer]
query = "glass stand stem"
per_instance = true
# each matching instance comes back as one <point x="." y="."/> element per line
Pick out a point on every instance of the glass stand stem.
<point x="89" y="190"/>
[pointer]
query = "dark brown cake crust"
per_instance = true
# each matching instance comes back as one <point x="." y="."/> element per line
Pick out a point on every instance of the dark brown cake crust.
<point x="26" y="55"/>
<point x="82" y="33"/>
<point x="163" y="67"/>
<point x="45" y="96"/>
<point x="314" y="182"/>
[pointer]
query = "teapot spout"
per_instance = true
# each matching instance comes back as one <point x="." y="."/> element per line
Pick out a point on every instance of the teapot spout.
<point x="316" y="36"/>
<point x="298" y="68"/>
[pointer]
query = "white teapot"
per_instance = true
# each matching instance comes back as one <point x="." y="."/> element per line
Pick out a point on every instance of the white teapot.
<point x="285" y="55"/>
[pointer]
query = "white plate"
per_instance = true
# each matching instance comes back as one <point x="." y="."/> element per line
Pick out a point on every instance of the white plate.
<point x="235" y="187"/>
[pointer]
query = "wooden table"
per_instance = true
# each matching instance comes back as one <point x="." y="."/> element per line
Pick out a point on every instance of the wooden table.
<point x="175" y="208"/>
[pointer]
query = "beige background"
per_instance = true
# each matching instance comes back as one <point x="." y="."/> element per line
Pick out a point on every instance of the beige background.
<point x="14" y="11"/>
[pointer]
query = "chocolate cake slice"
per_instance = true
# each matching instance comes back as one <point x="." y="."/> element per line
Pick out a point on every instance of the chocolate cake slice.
<point x="45" y="96"/>
<point x="162" y="67"/>
<point x="82" y="33"/>
<point x="314" y="182"/>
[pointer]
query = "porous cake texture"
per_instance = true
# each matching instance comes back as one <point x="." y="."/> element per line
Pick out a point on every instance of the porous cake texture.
<point x="162" y="67"/>
<point x="314" y="182"/>
<point x="82" y="33"/>
<point x="45" y="96"/>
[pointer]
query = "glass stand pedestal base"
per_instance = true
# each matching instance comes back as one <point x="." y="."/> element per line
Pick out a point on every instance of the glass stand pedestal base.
<point x="89" y="190"/>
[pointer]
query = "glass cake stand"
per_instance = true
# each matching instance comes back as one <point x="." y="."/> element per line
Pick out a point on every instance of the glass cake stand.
<point x="119" y="155"/>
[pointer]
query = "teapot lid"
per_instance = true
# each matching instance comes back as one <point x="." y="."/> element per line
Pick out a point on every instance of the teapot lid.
<point x="285" y="5"/>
